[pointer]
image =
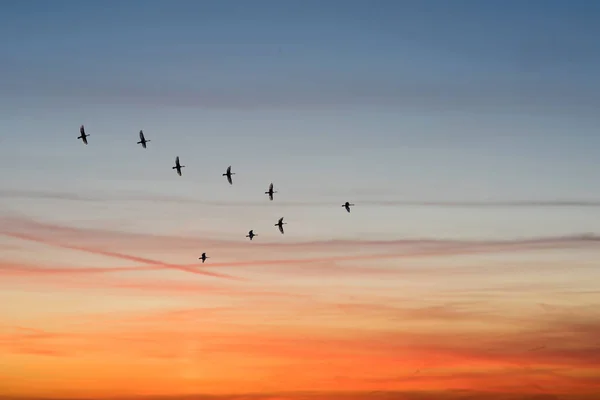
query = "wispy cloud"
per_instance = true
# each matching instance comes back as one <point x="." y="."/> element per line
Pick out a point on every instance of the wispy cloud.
<point x="26" y="227"/>
<point x="314" y="92"/>
<point x="551" y="203"/>
<point x="126" y="257"/>
<point x="106" y="285"/>
<point x="96" y="241"/>
<point x="118" y="255"/>
<point x="22" y="269"/>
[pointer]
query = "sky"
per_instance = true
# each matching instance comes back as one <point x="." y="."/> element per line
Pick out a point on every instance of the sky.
<point x="465" y="133"/>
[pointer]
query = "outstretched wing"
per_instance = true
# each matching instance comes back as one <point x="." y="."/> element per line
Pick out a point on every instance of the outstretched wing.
<point x="280" y="221"/>
<point x="229" y="179"/>
<point x="82" y="130"/>
<point x="229" y="170"/>
<point x="142" y="136"/>
<point x="177" y="161"/>
<point x="271" y="196"/>
<point x="280" y="228"/>
<point x="84" y="138"/>
<point x="271" y="187"/>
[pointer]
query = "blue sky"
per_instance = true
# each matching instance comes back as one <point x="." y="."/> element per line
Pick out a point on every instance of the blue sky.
<point x="332" y="101"/>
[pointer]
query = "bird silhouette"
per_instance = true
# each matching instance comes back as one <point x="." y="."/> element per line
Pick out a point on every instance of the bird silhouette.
<point x="143" y="140"/>
<point x="347" y="206"/>
<point x="270" y="192"/>
<point x="251" y="234"/>
<point x="228" y="175"/>
<point x="203" y="258"/>
<point x="280" y="224"/>
<point x="83" y="136"/>
<point x="178" y="166"/>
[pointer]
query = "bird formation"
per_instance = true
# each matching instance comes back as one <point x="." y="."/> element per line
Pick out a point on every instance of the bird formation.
<point x="143" y="141"/>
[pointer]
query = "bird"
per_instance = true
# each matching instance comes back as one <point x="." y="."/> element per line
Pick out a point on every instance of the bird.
<point x="270" y="191"/>
<point x="228" y="175"/>
<point x="83" y="136"/>
<point x="143" y="140"/>
<point x="347" y="206"/>
<point x="251" y="234"/>
<point x="178" y="166"/>
<point x="280" y="224"/>
<point x="203" y="258"/>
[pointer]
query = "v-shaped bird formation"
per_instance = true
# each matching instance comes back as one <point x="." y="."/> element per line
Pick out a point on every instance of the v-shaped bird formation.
<point x="270" y="192"/>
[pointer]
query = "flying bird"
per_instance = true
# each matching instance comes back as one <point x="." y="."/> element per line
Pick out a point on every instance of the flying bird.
<point x="280" y="224"/>
<point x="270" y="192"/>
<point x="228" y="175"/>
<point x="178" y="166"/>
<point x="83" y="136"/>
<point x="251" y="234"/>
<point x="347" y="206"/>
<point x="203" y="258"/>
<point x="143" y="140"/>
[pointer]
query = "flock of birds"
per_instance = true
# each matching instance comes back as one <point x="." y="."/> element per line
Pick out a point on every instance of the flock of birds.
<point x="143" y="141"/>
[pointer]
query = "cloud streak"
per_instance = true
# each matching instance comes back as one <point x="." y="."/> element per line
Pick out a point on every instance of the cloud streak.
<point x="27" y="226"/>
<point x="557" y="203"/>
<point x="319" y="91"/>
<point x="96" y="241"/>
<point x="21" y="269"/>
<point x="122" y="256"/>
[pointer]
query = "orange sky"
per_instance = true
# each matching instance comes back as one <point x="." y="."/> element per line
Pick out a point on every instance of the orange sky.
<point x="97" y="312"/>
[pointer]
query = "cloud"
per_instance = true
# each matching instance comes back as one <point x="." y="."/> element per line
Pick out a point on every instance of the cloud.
<point x="23" y="269"/>
<point x="40" y="194"/>
<point x="168" y="287"/>
<point x="97" y="197"/>
<point x="318" y="91"/>
<point x="173" y="288"/>
<point x="121" y="256"/>
<point x="26" y="227"/>
<point x="340" y="260"/>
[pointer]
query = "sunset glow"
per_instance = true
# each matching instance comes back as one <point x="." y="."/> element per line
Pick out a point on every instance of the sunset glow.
<point x="468" y="267"/>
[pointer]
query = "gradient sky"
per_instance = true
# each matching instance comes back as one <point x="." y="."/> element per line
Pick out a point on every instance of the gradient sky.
<point x="465" y="132"/>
